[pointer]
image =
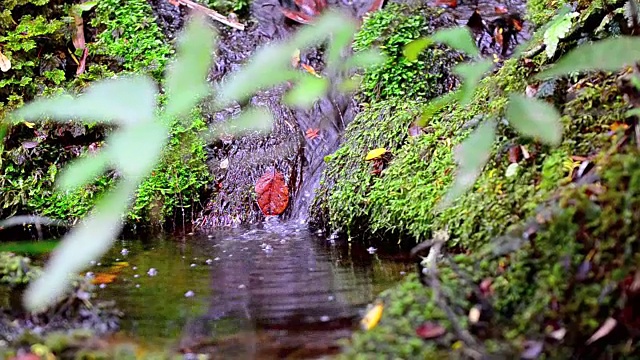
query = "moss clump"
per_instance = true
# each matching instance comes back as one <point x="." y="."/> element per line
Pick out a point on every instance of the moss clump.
<point x="128" y="39"/>
<point x="128" y="32"/>
<point x="571" y="269"/>
<point x="391" y="29"/>
<point x="348" y="178"/>
<point x="177" y="183"/>
<point x="31" y="42"/>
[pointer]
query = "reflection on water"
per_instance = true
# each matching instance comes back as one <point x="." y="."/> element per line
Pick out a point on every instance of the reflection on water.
<point x="270" y="292"/>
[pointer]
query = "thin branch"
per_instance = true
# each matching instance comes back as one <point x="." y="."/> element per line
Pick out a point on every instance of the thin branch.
<point x="211" y="13"/>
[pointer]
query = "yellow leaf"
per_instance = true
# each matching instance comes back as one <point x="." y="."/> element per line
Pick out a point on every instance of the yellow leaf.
<point x="5" y="63"/>
<point x="310" y="70"/>
<point x="375" y="153"/>
<point x="295" y="59"/>
<point x="371" y="319"/>
<point x="29" y="124"/>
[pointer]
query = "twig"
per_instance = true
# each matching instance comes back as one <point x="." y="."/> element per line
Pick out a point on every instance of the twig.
<point x="211" y="13"/>
<point x="474" y="349"/>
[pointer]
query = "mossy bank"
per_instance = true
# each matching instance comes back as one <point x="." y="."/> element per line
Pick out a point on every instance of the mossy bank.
<point x="121" y="37"/>
<point x="567" y="198"/>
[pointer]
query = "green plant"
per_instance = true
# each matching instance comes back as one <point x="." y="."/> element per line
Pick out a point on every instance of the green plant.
<point x="128" y="103"/>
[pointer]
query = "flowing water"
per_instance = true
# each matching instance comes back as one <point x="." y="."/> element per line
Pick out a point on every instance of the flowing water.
<point x="272" y="291"/>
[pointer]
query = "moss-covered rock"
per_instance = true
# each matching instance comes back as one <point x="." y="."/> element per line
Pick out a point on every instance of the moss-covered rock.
<point x="555" y="281"/>
<point x="390" y="30"/>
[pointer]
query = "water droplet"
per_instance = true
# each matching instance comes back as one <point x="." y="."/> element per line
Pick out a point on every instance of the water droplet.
<point x="89" y="275"/>
<point x="324" y="318"/>
<point x="372" y="250"/>
<point x="102" y="286"/>
<point x="137" y="285"/>
<point x="135" y="268"/>
<point x="189" y="294"/>
<point x="136" y="276"/>
<point x="331" y="298"/>
<point x="403" y="273"/>
<point x="216" y="259"/>
<point x="193" y="265"/>
<point x="152" y="272"/>
<point x="241" y="286"/>
<point x="208" y="261"/>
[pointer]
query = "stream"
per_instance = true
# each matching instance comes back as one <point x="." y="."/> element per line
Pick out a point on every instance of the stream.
<point x="262" y="292"/>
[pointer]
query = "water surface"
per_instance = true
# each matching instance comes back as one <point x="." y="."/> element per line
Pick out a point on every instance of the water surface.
<point x="274" y="291"/>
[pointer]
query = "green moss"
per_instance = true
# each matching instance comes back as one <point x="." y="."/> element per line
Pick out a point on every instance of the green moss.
<point x="178" y="181"/>
<point x="16" y="270"/>
<point x="348" y="177"/>
<point x="569" y="267"/>
<point x="240" y="7"/>
<point x="128" y="39"/>
<point x="129" y="33"/>
<point x="391" y="29"/>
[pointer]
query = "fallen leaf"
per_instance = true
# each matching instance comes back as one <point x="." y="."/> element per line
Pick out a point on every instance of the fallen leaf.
<point x="371" y="319"/>
<point x="474" y="314"/>
<point x="224" y="164"/>
<point x="415" y="129"/>
<point x="375" y="154"/>
<point x="103" y="278"/>
<point x="310" y="70"/>
<point x="514" y="154"/>
<point x="30" y="124"/>
<point x="430" y="330"/>
<point x="273" y="193"/>
<point x="452" y="4"/>
<point x="5" y="63"/>
<point x="83" y="61"/>
<point x="500" y="9"/>
<point x="295" y="59"/>
<point x="29" y="144"/>
<point x="617" y="125"/>
<point x="603" y="331"/>
<point x="312" y="133"/>
<point x="532" y="349"/>
<point x="512" y="170"/>
<point x="558" y="334"/>
<point x="78" y="33"/>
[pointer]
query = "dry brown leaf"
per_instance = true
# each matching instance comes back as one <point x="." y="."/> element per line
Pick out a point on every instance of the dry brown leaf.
<point x="310" y="70"/>
<point x="78" y="34"/>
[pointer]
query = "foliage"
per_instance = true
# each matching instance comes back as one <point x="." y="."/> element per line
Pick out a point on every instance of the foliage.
<point x="22" y="40"/>
<point x="16" y="270"/>
<point x="391" y="29"/>
<point x="557" y="30"/>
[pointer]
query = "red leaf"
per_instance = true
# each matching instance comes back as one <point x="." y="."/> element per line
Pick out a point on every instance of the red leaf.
<point x="430" y="330"/>
<point x="273" y="193"/>
<point x="312" y="133"/>
<point x="500" y="10"/>
<point x="447" y="3"/>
